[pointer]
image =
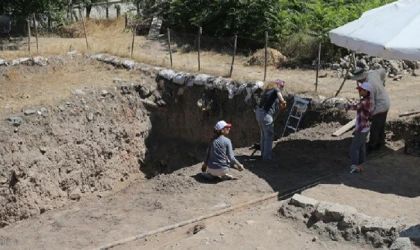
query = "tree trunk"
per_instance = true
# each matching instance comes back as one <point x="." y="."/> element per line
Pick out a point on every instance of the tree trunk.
<point x="70" y="10"/>
<point x="88" y="10"/>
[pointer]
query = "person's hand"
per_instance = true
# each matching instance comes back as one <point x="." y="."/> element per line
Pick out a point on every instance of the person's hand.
<point x="341" y="106"/>
<point x="239" y="167"/>
<point x="204" y="168"/>
<point x="283" y="104"/>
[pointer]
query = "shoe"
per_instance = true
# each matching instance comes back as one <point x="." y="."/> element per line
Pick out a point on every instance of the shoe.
<point x="356" y="169"/>
<point x="226" y="177"/>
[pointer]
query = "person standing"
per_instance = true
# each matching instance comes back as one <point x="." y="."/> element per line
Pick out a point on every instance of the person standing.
<point x="270" y="102"/>
<point x="376" y="78"/>
<point x="219" y="154"/>
<point x="364" y="112"/>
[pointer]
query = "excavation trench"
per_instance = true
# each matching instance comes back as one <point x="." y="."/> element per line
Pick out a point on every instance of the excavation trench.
<point x="100" y="138"/>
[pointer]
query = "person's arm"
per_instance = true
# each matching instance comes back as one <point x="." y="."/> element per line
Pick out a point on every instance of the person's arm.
<point x="282" y="101"/>
<point x="206" y="158"/>
<point x="230" y="152"/>
<point x="280" y="96"/>
<point x="360" y="105"/>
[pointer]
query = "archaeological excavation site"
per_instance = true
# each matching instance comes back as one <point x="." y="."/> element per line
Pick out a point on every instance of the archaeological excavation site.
<point x="102" y="152"/>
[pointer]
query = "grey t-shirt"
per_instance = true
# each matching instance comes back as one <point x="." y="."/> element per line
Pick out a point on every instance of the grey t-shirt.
<point x="220" y="151"/>
<point x="269" y="101"/>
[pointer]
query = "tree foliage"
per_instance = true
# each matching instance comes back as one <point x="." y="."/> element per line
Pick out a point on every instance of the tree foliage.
<point x="28" y="7"/>
<point x="282" y="19"/>
<point x="251" y="18"/>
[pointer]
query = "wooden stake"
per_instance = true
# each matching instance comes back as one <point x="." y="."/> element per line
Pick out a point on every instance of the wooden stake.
<point x="132" y="42"/>
<point x="409" y="113"/>
<point x="200" y="31"/>
<point x="266" y="55"/>
<point x="169" y="45"/>
<point x="36" y="33"/>
<point x="29" y="35"/>
<point x="345" y="77"/>
<point x="317" y="68"/>
<point x="234" y="53"/>
<point x="84" y="29"/>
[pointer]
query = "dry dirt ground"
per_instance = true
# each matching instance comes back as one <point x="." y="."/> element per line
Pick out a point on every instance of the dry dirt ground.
<point x="388" y="188"/>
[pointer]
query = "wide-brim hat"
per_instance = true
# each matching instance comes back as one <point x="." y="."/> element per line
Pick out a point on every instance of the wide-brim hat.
<point x="359" y="74"/>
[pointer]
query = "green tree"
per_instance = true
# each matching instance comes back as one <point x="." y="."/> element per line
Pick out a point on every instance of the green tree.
<point x="27" y="7"/>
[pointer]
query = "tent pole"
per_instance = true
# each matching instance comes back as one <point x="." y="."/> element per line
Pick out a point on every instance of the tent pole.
<point x="352" y="60"/>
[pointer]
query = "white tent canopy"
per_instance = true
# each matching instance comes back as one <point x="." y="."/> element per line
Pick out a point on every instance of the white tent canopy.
<point x="390" y="32"/>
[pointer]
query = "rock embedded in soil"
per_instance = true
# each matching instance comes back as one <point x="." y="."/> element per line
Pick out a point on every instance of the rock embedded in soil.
<point x="3" y="180"/>
<point x="75" y="196"/>
<point x="401" y="243"/>
<point x="303" y="202"/>
<point x="29" y="111"/>
<point x="340" y="222"/>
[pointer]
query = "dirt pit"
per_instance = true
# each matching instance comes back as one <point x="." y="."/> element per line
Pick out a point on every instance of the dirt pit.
<point x="82" y="170"/>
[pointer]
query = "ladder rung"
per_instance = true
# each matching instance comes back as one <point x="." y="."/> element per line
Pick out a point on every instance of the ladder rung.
<point x="291" y="127"/>
<point x="296" y="117"/>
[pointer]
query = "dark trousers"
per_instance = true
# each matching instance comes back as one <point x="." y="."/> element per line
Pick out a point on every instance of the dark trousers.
<point x="377" y="131"/>
<point x="358" y="148"/>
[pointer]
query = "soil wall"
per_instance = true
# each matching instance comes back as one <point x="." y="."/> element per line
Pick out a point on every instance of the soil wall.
<point x="89" y="143"/>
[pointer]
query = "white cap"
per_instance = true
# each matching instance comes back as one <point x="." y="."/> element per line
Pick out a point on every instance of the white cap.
<point x="366" y="86"/>
<point x="221" y="125"/>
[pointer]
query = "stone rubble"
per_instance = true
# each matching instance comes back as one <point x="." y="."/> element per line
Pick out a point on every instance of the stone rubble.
<point x="344" y="223"/>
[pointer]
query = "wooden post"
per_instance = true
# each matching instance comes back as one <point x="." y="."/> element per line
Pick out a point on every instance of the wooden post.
<point x="200" y="31"/>
<point x="29" y="35"/>
<point x="317" y="68"/>
<point x="132" y="42"/>
<point x="36" y="33"/>
<point x="169" y="45"/>
<point x="266" y="55"/>
<point x="84" y="29"/>
<point x="234" y="53"/>
<point x="345" y="77"/>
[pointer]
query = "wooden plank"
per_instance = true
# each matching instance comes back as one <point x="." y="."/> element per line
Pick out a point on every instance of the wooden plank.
<point x="345" y="128"/>
<point x="409" y="113"/>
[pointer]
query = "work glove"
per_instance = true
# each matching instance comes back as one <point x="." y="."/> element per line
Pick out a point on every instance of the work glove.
<point x="283" y="104"/>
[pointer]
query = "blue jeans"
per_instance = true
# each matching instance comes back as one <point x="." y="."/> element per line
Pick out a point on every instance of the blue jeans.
<point x="266" y="124"/>
<point x="358" y="148"/>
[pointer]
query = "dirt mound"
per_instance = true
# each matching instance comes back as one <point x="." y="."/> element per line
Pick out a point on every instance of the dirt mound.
<point x="275" y="58"/>
<point x="95" y="28"/>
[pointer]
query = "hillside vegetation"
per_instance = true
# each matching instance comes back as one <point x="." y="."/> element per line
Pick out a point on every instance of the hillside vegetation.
<point x="289" y="22"/>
